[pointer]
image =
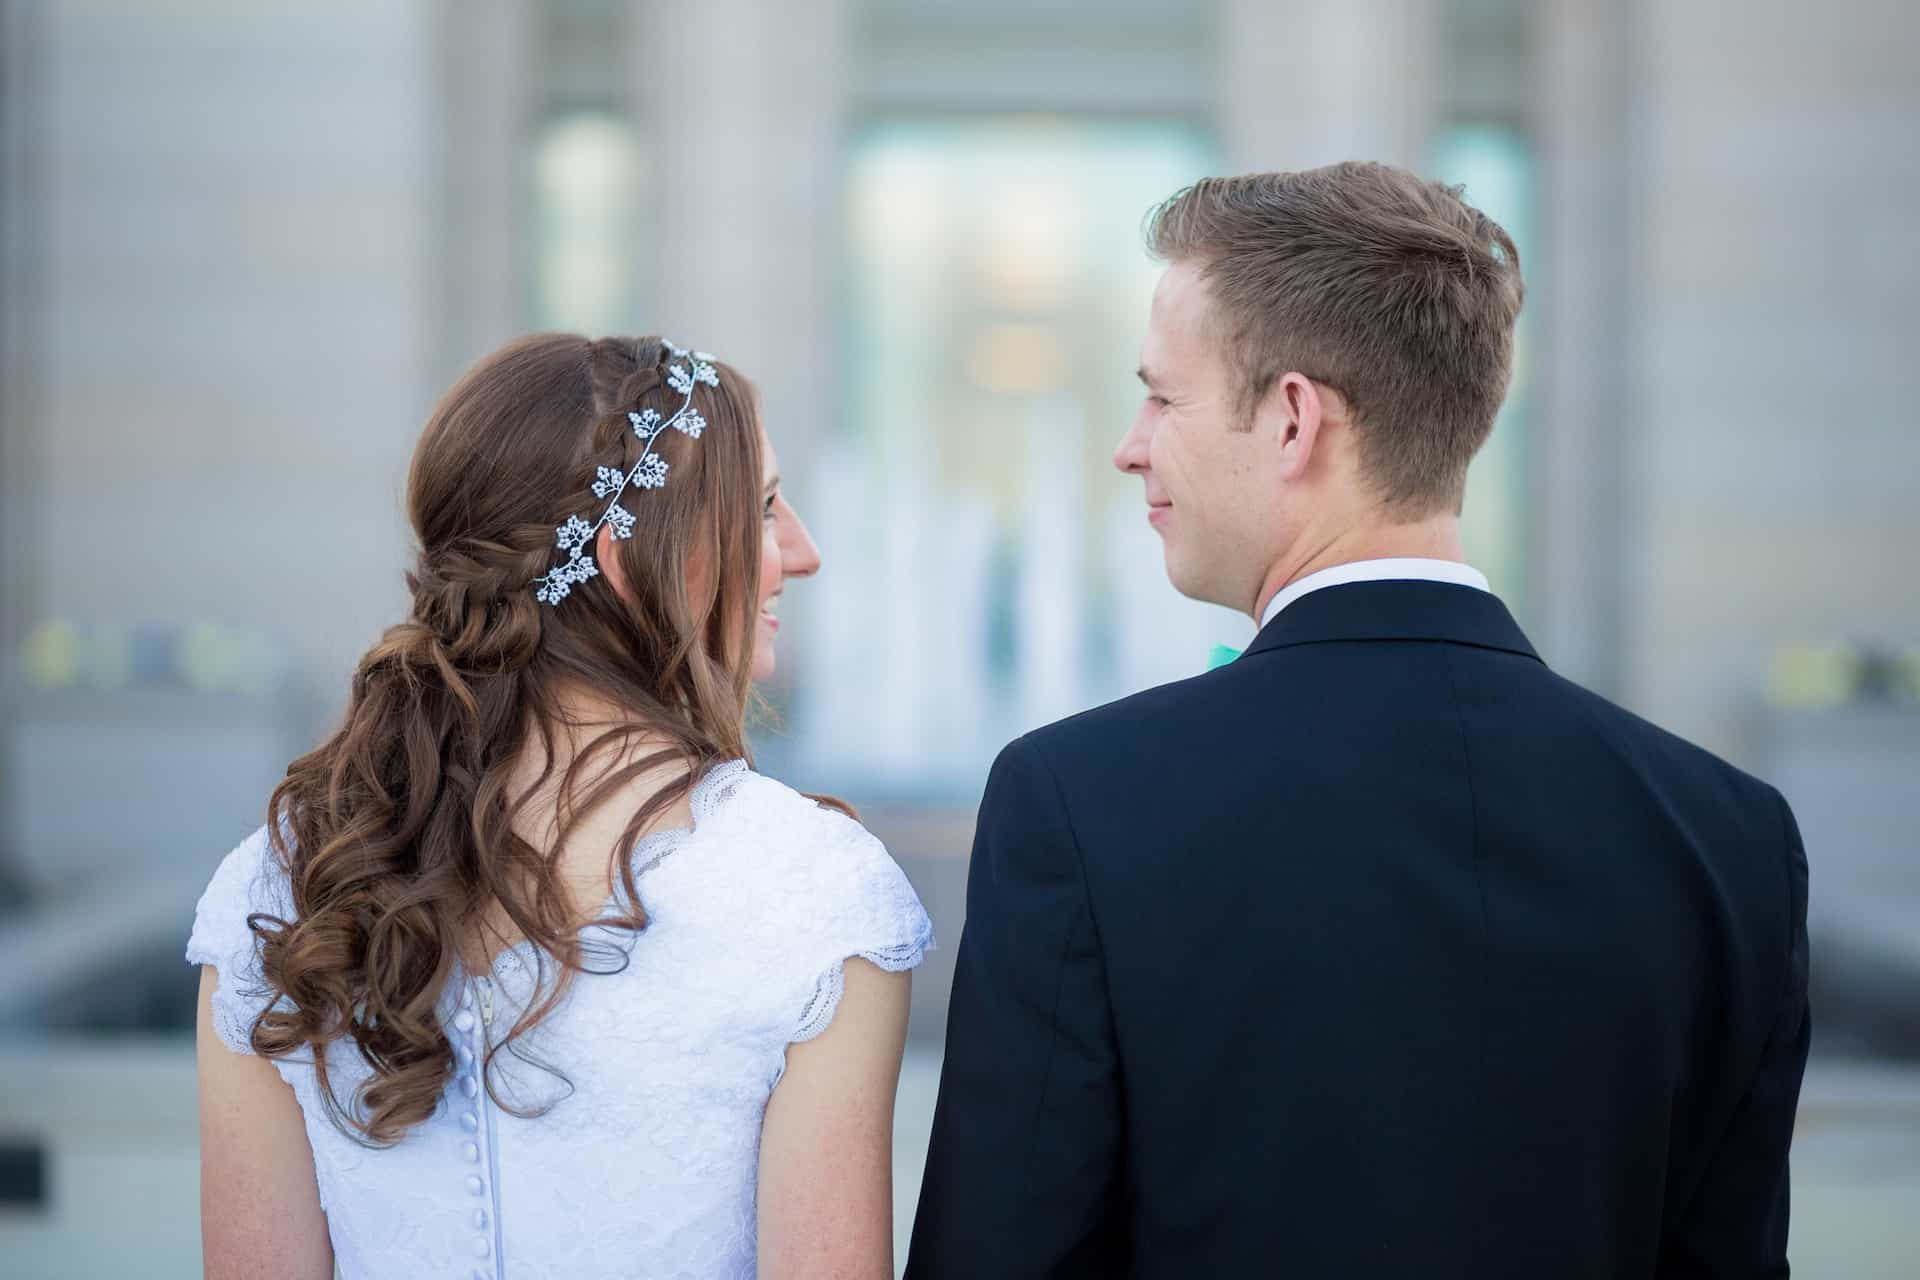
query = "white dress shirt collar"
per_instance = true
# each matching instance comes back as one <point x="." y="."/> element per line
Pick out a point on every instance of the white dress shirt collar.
<point x="1403" y="569"/>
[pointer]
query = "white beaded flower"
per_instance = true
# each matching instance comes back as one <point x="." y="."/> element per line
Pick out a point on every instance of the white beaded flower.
<point x="650" y="472"/>
<point x="620" y="520"/>
<point x="682" y="381"/>
<point x="574" y="533"/>
<point x="558" y="584"/>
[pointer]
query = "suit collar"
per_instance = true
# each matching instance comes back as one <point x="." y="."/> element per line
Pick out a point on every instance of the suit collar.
<point x="1391" y="569"/>
<point x="1396" y="610"/>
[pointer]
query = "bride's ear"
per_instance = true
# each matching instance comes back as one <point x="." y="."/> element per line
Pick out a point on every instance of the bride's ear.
<point x="606" y="554"/>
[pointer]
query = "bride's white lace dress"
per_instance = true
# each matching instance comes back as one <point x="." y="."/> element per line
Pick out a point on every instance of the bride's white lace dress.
<point x="658" y="1065"/>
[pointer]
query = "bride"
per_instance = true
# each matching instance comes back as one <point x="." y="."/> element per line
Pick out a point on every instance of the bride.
<point x="530" y="973"/>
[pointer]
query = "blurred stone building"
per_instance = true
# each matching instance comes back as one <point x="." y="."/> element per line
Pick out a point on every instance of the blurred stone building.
<point x="244" y="248"/>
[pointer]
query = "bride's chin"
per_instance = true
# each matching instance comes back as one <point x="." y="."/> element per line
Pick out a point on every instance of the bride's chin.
<point x="764" y="661"/>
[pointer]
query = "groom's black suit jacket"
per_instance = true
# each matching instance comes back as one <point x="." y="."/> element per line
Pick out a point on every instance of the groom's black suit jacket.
<point x="1383" y="951"/>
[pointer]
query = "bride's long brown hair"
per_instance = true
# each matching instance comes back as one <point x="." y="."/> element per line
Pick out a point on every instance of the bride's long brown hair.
<point x="398" y="835"/>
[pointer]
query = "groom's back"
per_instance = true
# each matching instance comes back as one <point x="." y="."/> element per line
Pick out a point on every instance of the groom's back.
<point x="1422" y="960"/>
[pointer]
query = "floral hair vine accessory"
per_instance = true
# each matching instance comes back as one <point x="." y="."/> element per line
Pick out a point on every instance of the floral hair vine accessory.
<point x="650" y="472"/>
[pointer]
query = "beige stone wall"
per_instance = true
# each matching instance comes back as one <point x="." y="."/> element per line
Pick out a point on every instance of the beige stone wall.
<point x="232" y="314"/>
<point x="1774" y="461"/>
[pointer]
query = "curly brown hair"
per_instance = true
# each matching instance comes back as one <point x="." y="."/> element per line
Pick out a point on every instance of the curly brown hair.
<point x="398" y="834"/>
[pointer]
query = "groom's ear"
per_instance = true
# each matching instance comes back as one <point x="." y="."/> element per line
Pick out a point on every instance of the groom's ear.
<point x="1292" y="413"/>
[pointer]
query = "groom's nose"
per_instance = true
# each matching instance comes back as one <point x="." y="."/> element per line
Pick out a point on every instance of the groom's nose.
<point x="1131" y="456"/>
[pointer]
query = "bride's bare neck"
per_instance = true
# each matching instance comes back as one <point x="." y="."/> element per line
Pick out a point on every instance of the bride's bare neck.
<point x="583" y="852"/>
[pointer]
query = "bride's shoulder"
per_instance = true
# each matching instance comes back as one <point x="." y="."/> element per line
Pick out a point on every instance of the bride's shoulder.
<point x="801" y="845"/>
<point x="756" y="798"/>
<point x="815" y="886"/>
<point x="249" y="882"/>
<point x="250" y="878"/>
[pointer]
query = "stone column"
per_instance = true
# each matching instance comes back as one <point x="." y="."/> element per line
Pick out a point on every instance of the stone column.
<point x="1309" y="82"/>
<point x="23" y="156"/>
<point x="1582" y="436"/>
<point x="484" y="73"/>
<point x="744" y="104"/>
<point x="23" y="562"/>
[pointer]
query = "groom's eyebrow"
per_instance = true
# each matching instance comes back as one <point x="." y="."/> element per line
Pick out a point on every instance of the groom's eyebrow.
<point x="1143" y="375"/>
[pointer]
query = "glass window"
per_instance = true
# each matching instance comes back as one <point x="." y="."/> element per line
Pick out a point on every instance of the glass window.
<point x="989" y="570"/>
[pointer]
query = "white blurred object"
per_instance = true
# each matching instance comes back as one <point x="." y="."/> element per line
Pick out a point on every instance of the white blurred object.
<point x="588" y="172"/>
<point x="1052" y="581"/>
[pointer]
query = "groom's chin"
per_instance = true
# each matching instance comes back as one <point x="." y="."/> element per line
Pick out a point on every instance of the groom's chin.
<point x="1192" y="582"/>
<point x="1183" y="581"/>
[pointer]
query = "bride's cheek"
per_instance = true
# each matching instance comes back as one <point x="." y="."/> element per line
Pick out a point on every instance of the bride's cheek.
<point x="770" y="562"/>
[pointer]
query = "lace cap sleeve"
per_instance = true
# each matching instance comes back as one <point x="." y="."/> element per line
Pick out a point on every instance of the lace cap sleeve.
<point x="866" y="909"/>
<point x="249" y="880"/>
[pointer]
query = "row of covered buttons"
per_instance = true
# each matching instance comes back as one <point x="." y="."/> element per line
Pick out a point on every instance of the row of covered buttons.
<point x="467" y="1085"/>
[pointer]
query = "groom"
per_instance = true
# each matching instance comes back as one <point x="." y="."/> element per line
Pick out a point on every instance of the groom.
<point x="1382" y="951"/>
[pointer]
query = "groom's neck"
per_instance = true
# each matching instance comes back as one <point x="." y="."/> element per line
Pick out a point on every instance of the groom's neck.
<point x="1432" y="538"/>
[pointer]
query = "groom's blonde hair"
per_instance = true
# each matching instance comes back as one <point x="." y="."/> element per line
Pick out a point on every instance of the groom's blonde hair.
<point x="1388" y="288"/>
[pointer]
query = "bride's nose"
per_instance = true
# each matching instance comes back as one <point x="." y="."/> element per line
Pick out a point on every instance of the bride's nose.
<point x="799" y="558"/>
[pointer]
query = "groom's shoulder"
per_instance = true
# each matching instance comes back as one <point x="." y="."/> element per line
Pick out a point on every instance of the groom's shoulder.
<point x="1160" y="713"/>
<point x="1664" y="752"/>
<point x="1193" y="715"/>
